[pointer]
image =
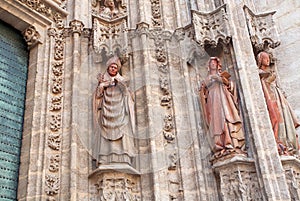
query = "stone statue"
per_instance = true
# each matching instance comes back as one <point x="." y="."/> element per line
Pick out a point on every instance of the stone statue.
<point x="219" y="103"/>
<point x="114" y="117"/>
<point x="283" y="119"/>
<point x="109" y="9"/>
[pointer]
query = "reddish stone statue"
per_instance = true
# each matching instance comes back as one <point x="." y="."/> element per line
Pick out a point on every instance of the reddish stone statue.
<point x="282" y="117"/>
<point x="114" y="117"/>
<point x="219" y="104"/>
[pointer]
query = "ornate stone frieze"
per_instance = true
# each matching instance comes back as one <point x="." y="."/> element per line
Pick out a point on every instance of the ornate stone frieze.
<point x="210" y="28"/>
<point x="262" y="30"/>
<point x="54" y="141"/>
<point x="45" y="8"/>
<point x="31" y="36"/>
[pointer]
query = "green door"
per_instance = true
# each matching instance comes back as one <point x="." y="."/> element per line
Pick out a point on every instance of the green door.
<point x="13" y="78"/>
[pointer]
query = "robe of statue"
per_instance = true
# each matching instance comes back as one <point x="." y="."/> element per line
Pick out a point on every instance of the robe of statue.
<point x="282" y="117"/>
<point x="114" y="119"/>
<point x="219" y="105"/>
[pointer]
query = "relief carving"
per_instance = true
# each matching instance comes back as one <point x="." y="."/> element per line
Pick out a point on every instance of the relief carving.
<point x="76" y="26"/>
<point x="31" y="36"/>
<point x="55" y="123"/>
<point x="109" y="9"/>
<point x="210" y="28"/>
<point x="52" y="184"/>
<point x="54" y="161"/>
<point x="156" y="13"/>
<point x="118" y="187"/>
<point x="56" y="103"/>
<point x="54" y="141"/>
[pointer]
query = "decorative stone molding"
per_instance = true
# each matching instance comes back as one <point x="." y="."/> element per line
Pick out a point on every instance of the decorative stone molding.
<point x="211" y="28"/>
<point x="238" y="179"/>
<point x="31" y="36"/>
<point x="54" y="137"/>
<point x="262" y="30"/>
<point x="45" y="8"/>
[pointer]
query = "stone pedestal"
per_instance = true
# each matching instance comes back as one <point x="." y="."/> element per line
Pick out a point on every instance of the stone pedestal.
<point x="237" y="179"/>
<point x="115" y="182"/>
<point x="291" y="166"/>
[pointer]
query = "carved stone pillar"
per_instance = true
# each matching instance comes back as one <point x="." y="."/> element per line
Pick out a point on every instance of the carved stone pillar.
<point x="291" y="166"/>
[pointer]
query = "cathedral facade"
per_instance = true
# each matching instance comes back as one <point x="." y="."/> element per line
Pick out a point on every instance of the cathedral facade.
<point x="149" y="100"/>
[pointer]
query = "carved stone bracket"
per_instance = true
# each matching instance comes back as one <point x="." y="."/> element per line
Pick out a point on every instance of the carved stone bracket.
<point x="238" y="179"/>
<point x="210" y="28"/>
<point x="31" y="36"/>
<point x="262" y="30"/>
<point x="114" y="185"/>
<point x="291" y="166"/>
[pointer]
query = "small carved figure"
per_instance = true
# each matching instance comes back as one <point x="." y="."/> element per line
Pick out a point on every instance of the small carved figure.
<point x="219" y="103"/>
<point x="283" y="119"/>
<point x="114" y="117"/>
<point x="109" y="9"/>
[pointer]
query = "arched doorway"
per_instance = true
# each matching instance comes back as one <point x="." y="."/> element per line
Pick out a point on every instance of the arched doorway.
<point x="13" y="79"/>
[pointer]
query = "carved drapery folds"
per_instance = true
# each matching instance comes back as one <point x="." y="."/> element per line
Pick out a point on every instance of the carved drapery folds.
<point x="31" y="36"/>
<point x="210" y="28"/>
<point x="262" y="30"/>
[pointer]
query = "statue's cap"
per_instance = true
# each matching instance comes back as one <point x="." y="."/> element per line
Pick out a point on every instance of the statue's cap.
<point x="114" y="60"/>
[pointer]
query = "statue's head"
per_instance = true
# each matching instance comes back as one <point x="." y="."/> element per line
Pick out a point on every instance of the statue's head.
<point x="214" y="62"/>
<point x="263" y="59"/>
<point x="113" y="66"/>
<point x="109" y="3"/>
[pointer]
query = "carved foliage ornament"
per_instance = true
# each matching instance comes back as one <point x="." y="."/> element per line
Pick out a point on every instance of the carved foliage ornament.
<point x="43" y="8"/>
<point x="262" y="29"/>
<point x="211" y="27"/>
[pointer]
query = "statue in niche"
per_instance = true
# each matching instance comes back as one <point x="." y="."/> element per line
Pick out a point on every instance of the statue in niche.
<point x="283" y="119"/>
<point x="109" y="10"/>
<point x="114" y="117"/>
<point x="220" y="109"/>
